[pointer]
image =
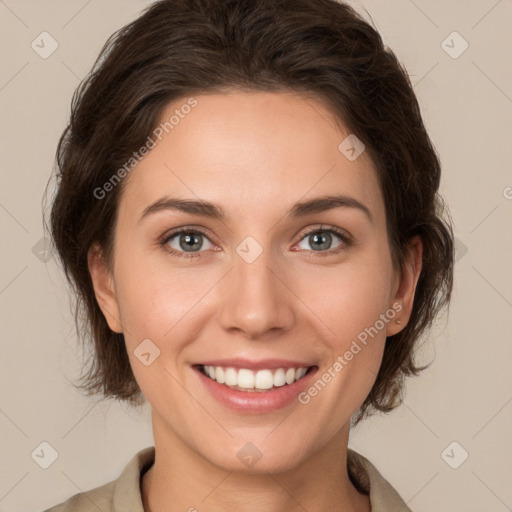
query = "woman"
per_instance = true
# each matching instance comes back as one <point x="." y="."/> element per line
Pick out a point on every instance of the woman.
<point x="247" y="208"/>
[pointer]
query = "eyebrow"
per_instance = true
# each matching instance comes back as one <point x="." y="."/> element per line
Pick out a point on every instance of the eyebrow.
<point x="211" y="210"/>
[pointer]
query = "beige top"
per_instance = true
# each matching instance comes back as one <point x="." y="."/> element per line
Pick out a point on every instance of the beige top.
<point x="124" y="494"/>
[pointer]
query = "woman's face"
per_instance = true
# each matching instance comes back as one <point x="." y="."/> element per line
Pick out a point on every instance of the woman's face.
<point x="272" y="284"/>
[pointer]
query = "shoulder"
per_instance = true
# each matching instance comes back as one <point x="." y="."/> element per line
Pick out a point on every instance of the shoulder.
<point x="94" y="499"/>
<point x="120" y="495"/>
<point x="368" y="480"/>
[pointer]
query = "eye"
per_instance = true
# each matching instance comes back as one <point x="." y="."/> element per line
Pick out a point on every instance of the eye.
<point x="321" y="240"/>
<point x="186" y="242"/>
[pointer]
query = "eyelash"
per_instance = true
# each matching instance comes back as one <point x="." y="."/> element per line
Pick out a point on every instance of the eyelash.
<point x="321" y="254"/>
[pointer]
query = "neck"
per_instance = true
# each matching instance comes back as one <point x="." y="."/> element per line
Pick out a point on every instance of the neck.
<point x="182" y="480"/>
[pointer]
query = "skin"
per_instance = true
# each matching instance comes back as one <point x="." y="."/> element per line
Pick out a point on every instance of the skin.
<point x="254" y="154"/>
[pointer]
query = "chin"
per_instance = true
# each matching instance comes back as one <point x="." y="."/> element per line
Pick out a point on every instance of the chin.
<point x="253" y="458"/>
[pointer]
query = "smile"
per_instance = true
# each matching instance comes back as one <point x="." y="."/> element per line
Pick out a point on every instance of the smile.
<point x="244" y="379"/>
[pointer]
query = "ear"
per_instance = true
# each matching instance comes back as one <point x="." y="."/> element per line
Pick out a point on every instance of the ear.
<point x="104" y="289"/>
<point x="405" y="285"/>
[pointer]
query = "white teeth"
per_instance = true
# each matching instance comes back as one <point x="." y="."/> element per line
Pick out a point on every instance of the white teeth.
<point x="290" y="375"/>
<point x="230" y="377"/>
<point x="219" y="375"/>
<point x="245" y="379"/>
<point x="263" y="380"/>
<point x="260" y="380"/>
<point x="300" y="372"/>
<point x="279" y="378"/>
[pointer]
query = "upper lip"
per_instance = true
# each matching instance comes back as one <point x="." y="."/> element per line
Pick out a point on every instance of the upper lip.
<point x="271" y="364"/>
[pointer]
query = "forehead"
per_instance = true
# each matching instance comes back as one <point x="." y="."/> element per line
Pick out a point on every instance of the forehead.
<point x="250" y="151"/>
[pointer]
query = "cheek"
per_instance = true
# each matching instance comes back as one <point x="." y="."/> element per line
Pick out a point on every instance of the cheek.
<point x="157" y="298"/>
<point x="347" y="299"/>
<point x="350" y="305"/>
<point x="162" y="306"/>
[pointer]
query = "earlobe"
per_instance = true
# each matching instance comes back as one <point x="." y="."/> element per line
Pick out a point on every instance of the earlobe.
<point x="407" y="286"/>
<point x="104" y="289"/>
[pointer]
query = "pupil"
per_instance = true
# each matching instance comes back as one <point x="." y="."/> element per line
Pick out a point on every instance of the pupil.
<point x="191" y="240"/>
<point x="325" y="244"/>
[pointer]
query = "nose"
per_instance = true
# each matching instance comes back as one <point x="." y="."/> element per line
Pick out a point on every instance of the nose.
<point x="255" y="298"/>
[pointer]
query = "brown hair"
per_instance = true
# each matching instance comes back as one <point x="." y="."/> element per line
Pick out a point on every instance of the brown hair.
<point x="178" y="48"/>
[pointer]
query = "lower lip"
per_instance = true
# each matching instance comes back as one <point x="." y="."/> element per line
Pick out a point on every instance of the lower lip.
<point x="256" y="402"/>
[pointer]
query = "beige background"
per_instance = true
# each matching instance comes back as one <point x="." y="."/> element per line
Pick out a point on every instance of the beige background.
<point x="465" y="396"/>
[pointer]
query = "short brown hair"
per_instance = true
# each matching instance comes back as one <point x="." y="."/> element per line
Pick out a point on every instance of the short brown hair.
<point x="177" y="48"/>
